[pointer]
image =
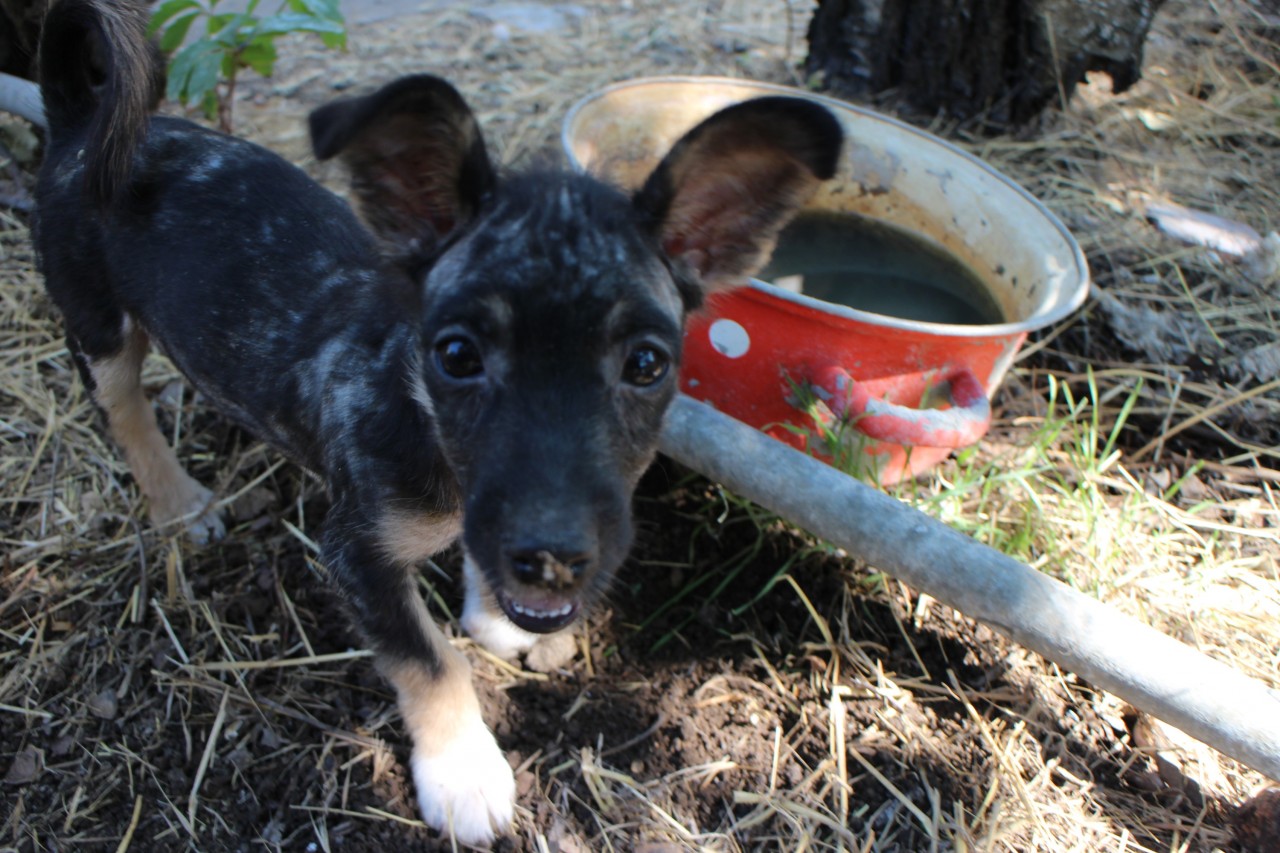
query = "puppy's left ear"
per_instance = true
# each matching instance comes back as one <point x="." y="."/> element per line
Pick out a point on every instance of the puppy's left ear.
<point x="418" y="162"/>
<point x="725" y="190"/>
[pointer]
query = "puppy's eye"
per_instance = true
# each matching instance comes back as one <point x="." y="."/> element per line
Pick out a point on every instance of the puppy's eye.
<point x="645" y="366"/>
<point x="459" y="358"/>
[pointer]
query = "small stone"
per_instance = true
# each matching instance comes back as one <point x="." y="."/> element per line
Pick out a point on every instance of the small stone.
<point x="26" y="766"/>
<point x="252" y="503"/>
<point x="269" y="739"/>
<point x="240" y="758"/>
<point x="564" y="840"/>
<point x="273" y="832"/>
<point x="104" y="706"/>
<point x="525" y="780"/>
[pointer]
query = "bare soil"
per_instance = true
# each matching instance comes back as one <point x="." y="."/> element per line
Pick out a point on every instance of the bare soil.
<point x="692" y="696"/>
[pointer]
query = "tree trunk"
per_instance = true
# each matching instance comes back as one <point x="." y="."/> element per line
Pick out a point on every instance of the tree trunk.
<point x="998" y="62"/>
<point x="19" y="31"/>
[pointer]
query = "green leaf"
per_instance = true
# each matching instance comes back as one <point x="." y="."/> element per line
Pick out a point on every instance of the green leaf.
<point x="295" y="22"/>
<point x="326" y="9"/>
<point x="334" y="41"/>
<point x="260" y="55"/>
<point x="194" y="71"/>
<point x="176" y="32"/>
<point x="227" y="27"/>
<point x="233" y="41"/>
<point x="217" y="22"/>
<point x="168" y="10"/>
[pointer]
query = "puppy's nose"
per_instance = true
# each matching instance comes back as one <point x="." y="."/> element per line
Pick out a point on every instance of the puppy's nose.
<point x="549" y="568"/>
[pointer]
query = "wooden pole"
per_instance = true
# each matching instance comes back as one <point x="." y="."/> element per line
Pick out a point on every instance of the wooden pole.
<point x="1230" y="712"/>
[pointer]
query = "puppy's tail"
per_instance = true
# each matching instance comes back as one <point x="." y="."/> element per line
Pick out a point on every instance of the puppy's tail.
<point x="100" y="78"/>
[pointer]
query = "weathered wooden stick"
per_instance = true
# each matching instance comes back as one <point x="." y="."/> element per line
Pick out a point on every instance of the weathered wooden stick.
<point x="1230" y="712"/>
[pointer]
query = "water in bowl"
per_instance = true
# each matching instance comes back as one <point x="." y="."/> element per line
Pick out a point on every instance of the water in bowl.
<point x="873" y="266"/>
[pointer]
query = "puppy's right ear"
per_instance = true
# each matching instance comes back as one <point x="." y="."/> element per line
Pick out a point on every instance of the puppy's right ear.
<point x="720" y="197"/>
<point x="418" y="162"/>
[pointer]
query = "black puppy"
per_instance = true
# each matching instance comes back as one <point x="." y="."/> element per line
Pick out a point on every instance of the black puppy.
<point x="494" y="364"/>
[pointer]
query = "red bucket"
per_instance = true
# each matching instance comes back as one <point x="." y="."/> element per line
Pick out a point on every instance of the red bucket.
<point x="901" y="394"/>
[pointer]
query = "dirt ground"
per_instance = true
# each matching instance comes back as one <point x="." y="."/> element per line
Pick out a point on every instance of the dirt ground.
<point x="747" y="687"/>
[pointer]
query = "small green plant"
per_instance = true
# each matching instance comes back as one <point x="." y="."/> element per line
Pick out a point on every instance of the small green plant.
<point x="1038" y="498"/>
<point x="204" y="70"/>
<point x="830" y="437"/>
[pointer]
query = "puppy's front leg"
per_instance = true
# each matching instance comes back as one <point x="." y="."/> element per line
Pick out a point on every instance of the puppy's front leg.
<point x="465" y="786"/>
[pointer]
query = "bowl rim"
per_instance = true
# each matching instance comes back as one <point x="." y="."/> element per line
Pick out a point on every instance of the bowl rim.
<point x="1046" y="316"/>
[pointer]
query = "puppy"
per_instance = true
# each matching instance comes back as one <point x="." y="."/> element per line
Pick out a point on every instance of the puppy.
<point x="489" y="360"/>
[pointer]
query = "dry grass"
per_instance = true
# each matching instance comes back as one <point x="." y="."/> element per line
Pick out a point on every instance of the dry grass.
<point x="152" y="697"/>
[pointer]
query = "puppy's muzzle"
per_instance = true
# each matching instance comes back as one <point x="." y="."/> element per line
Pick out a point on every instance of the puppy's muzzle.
<point x="543" y="585"/>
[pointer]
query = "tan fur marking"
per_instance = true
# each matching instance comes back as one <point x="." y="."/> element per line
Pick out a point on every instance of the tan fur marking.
<point x="411" y="537"/>
<point x="434" y="708"/>
<point x="172" y="493"/>
<point x="465" y="786"/>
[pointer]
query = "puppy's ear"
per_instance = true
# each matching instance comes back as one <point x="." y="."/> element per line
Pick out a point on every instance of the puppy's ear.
<point x="725" y="190"/>
<point x="417" y="158"/>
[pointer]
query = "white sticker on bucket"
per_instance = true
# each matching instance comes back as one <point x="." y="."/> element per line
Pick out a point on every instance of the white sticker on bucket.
<point x="729" y="338"/>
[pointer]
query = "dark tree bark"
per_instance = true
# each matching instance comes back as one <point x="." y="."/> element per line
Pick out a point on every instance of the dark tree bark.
<point x="997" y="61"/>
<point x="19" y="31"/>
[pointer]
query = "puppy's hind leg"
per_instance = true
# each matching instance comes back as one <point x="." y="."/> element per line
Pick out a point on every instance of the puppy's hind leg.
<point x="116" y="385"/>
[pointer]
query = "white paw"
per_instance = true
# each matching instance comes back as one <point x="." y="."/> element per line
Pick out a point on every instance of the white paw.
<point x="205" y="526"/>
<point x="496" y="632"/>
<point x="191" y="506"/>
<point x="485" y="624"/>
<point x="468" y="789"/>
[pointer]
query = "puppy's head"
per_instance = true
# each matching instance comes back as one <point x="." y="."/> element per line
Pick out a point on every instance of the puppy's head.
<point x="553" y="308"/>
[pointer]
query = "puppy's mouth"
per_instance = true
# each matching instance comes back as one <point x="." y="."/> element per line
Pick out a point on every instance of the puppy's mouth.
<point x="541" y="613"/>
